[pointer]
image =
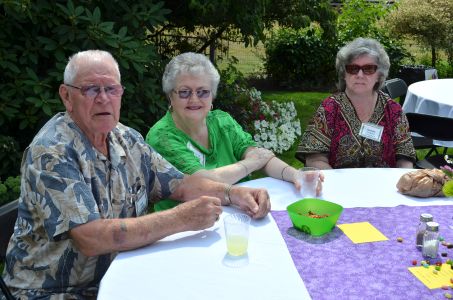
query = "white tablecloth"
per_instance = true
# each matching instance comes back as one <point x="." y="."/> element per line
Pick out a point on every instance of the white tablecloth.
<point x="431" y="97"/>
<point x="190" y="265"/>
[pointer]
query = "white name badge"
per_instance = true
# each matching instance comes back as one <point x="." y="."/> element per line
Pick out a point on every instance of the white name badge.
<point x="142" y="201"/>
<point x="197" y="153"/>
<point x="371" y="131"/>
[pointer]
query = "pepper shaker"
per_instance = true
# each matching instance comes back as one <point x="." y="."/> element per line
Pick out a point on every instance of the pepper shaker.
<point x="431" y="240"/>
<point x="422" y="228"/>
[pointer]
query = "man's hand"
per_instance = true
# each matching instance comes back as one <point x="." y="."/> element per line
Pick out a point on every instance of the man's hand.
<point x="254" y="202"/>
<point x="200" y="213"/>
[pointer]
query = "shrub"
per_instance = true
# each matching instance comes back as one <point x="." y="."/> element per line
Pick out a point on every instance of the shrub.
<point x="300" y="57"/>
<point x="231" y="96"/>
<point x="273" y="125"/>
<point x="9" y="189"/>
<point x="36" y="39"/>
<point x="10" y="156"/>
<point x="362" y="18"/>
<point x="277" y="126"/>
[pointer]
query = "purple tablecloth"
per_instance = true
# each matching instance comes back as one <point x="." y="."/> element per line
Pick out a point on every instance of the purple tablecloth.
<point x="332" y="267"/>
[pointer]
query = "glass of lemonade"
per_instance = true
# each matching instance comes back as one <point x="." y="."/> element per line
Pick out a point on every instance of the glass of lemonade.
<point x="237" y="233"/>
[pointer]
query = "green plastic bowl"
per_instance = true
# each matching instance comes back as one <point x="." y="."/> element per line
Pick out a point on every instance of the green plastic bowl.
<point x="298" y="213"/>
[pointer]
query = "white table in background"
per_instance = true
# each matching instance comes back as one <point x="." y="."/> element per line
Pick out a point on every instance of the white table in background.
<point x="190" y="265"/>
<point x="431" y="97"/>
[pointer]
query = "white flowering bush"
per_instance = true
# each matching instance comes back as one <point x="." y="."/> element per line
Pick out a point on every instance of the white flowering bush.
<point x="275" y="124"/>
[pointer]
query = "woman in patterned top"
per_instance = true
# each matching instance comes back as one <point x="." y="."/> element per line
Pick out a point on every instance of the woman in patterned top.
<point x="197" y="139"/>
<point x="360" y="126"/>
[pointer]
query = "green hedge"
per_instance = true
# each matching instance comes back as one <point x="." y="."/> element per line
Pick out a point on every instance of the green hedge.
<point x="36" y="39"/>
<point x="300" y="57"/>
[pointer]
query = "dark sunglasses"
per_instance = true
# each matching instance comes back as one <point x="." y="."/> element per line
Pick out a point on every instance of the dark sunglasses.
<point x="366" y="69"/>
<point x="92" y="91"/>
<point x="186" y="94"/>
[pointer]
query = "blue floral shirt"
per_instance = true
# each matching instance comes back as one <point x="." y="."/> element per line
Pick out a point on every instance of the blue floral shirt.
<point x="66" y="182"/>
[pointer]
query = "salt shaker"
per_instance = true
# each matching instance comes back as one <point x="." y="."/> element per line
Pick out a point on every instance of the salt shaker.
<point x="422" y="228"/>
<point x="431" y="240"/>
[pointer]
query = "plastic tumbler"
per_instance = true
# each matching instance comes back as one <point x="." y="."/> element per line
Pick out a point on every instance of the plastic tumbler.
<point x="237" y="233"/>
<point x="308" y="178"/>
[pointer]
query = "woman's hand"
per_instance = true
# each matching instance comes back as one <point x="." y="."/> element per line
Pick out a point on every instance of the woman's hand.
<point x="298" y="186"/>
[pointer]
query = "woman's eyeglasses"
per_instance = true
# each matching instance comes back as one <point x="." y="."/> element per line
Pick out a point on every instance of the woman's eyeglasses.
<point x="92" y="91"/>
<point x="366" y="69"/>
<point x="186" y="94"/>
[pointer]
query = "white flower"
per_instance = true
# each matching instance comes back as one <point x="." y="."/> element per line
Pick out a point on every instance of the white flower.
<point x="280" y="128"/>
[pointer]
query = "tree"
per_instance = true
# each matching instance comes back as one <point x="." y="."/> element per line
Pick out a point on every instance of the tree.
<point x="362" y="18"/>
<point x="36" y="38"/>
<point x="428" y="21"/>
<point x="198" y="24"/>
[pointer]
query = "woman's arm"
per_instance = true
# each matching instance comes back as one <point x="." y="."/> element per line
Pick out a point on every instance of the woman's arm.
<point x="318" y="160"/>
<point x="254" y="159"/>
<point x="404" y="163"/>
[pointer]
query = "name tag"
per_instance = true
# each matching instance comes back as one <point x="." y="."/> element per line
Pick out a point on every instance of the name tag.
<point x="142" y="201"/>
<point x="197" y="153"/>
<point x="371" y="131"/>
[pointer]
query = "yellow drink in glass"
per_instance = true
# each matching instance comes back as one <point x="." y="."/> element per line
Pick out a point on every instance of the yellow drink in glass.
<point x="237" y="245"/>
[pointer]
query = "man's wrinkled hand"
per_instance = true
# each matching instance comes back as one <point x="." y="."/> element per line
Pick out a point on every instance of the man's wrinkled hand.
<point x="200" y="213"/>
<point x="254" y="202"/>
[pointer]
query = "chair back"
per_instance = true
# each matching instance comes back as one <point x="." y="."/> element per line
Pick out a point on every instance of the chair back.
<point x="433" y="127"/>
<point x="8" y="215"/>
<point x="6" y="293"/>
<point x="395" y="88"/>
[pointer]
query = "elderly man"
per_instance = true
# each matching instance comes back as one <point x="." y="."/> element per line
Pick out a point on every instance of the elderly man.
<point x="86" y="182"/>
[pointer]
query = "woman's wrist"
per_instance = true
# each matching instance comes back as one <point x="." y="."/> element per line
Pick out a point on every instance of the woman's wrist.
<point x="288" y="173"/>
<point x="283" y="172"/>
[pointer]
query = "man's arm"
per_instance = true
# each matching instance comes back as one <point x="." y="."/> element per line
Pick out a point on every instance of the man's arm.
<point x="255" y="202"/>
<point x="111" y="235"/>
<point x="202" y="205"/>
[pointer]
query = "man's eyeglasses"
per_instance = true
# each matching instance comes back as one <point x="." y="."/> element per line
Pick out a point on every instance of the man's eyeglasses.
<point x="186" y="94"/>
<point x="366" y="69"/>
<point x="92" y="91"/>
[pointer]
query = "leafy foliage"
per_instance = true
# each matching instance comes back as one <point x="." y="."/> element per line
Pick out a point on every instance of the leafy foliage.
<point x="9" y="189"/>
<point x="9" y="156"/>
<point x="298" y="57"/>
<point x="197" y="24"/>
<point x="36" y="39"/>
<point x="428" y="21"/>
<point x="231" y="95"/>
<point x="362" y="18"/>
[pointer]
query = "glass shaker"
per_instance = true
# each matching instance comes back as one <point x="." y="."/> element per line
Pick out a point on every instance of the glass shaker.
<point x="431" y="240"/>
<point x="421" y="229"/>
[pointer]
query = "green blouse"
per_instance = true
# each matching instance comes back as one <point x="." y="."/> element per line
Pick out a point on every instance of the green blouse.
<point x="227" y="140"/>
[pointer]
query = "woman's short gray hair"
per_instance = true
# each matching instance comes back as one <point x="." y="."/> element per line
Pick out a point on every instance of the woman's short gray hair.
<point x="72" y="68"/>
<point x="193" y="64"/>
<point x="357" y="48"/>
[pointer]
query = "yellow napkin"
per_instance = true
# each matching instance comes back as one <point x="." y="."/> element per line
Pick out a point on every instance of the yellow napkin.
<point x="433" y="280"/>
<point x="362" y="232"/>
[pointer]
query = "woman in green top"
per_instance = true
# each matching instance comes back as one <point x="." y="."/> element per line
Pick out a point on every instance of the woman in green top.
<point x="195" y="138"/>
